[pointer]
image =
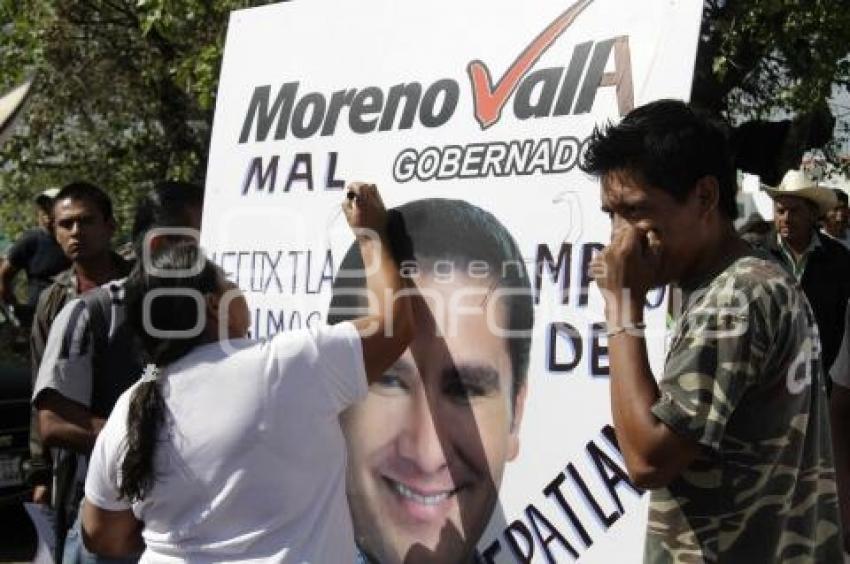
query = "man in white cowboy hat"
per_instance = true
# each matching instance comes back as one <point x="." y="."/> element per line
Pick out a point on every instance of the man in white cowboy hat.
<point x="819" y="263"/>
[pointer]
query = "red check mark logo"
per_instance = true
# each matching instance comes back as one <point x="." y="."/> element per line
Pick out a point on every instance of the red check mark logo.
<point x="489" y="100"/>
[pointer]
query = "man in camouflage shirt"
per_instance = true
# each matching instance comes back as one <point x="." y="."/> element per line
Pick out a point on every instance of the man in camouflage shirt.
<point x="734" y="439"/>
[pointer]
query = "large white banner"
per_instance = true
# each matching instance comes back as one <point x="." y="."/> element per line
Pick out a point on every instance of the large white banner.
<point x="471" y="116"/>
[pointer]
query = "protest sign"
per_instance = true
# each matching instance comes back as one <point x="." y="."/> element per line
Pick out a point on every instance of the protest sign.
<point x="472" y="117"/>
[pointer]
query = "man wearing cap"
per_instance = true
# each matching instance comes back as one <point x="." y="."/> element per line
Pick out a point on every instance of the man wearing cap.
<point x="37" y="254"/>
<point x="819" y="263"/>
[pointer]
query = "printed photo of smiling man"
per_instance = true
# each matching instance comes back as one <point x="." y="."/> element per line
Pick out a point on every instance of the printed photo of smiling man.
<point x="428" y="446"/>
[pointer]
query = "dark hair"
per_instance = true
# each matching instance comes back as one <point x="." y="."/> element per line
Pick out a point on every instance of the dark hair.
<point x="841" y="195"/>
<point x="88" y="192"/>
<point x="667" y="145"/>
<point x="437" y="229"/>
<point x="166" y="313"/>
<point x="167" y="205"/>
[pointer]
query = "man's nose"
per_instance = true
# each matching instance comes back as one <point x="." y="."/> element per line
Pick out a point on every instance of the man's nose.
<point x="420" y="441"/>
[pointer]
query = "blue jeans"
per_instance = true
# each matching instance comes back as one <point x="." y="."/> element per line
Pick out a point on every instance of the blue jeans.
<point x="76" y="553"/>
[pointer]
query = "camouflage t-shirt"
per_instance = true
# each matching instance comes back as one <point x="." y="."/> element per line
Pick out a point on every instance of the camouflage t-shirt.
<point x="743" y="379"/>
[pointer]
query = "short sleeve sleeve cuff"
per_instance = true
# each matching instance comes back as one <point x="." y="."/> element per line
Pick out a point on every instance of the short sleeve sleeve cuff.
<point x="67" y="362"/>
<point x="104" y="503"/>
<point x="20" y="251"/>
<point x="681" y="421"/>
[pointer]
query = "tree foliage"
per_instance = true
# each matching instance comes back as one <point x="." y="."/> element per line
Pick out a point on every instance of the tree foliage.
<point x="123" y="95"/>
<point x="125" y="89"/>
<point x="771" y="59"/>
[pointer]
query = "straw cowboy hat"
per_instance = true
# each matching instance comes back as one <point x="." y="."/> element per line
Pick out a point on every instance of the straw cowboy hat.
<point x="10" y="107"/>
<point x="800" y="184"/>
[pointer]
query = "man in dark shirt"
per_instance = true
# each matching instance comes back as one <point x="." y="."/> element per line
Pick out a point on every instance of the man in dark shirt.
<point x="83" y="225"/>
<point x="819" y="263"/>
<point x="38" y="255"/>
<point x="836" y="220"/>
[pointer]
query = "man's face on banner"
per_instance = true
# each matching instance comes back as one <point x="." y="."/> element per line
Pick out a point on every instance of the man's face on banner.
<point x="428" y="446"/>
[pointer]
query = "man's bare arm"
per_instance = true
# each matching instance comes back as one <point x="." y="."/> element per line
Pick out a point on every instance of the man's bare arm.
<point x="112" y="534"/>
<point x="388" y="329"/>
<point x="7" y="275"/>
<point x="654" y="453"/>
<point x="65" y="423"/>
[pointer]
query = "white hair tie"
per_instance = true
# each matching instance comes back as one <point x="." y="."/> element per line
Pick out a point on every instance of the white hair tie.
<point x="150" y="374"/>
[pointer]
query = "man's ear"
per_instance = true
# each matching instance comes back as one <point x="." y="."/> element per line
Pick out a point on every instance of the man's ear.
<point x="516" y="422"/>
<point x="707" y="191"/>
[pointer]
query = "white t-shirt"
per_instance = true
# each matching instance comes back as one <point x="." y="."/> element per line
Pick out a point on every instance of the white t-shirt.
<point x="251" y="461"/>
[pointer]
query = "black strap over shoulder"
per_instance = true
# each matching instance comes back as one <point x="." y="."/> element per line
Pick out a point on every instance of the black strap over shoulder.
<point x="99" y="306"/>
<point x="116" y="357"/>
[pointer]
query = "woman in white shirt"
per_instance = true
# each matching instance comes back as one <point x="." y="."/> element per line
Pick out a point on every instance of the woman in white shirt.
<point x="229" y="449"/>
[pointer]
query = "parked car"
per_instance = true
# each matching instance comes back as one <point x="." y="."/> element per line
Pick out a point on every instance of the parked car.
<point x="15" y="385"/>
